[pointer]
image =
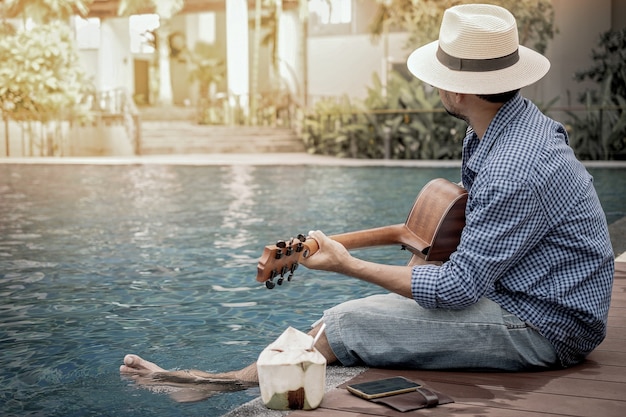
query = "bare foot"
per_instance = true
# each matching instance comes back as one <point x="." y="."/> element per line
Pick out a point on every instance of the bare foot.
<point x="181" y="386"/>
<point x="136" y="365"/>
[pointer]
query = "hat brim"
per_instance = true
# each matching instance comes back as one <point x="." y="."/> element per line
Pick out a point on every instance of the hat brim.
<point x="530" y="68"/>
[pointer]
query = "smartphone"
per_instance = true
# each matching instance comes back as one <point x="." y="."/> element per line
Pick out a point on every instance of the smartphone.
<point x="383" y="387"/>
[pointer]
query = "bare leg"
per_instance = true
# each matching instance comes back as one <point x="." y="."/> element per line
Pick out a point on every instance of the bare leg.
<point x="135" y="365"/>
<point x="181" y="386"/>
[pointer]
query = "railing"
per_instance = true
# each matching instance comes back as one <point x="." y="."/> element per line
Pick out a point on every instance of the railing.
<point x="277" y="109"/>
<point x="594" y="132"/>
<point x="118" y="105"/>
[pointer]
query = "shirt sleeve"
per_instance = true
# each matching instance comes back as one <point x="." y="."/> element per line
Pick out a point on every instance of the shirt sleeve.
<point x="503" y="221"/>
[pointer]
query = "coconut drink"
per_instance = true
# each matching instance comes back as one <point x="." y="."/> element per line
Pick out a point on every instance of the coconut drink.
<point x="292" y="373"/>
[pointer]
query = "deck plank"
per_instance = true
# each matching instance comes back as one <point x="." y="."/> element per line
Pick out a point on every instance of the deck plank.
<point x="593" y="388"/>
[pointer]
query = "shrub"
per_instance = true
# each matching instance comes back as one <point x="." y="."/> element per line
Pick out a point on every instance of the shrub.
<point x="402" y="121"/>
<point x="600" y="133"/>
<point x="40" y="77"/>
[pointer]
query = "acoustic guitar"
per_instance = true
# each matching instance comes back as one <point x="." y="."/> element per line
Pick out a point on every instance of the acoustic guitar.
<point x="432" y="231"/>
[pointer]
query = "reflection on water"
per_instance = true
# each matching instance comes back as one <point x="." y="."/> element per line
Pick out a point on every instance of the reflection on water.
<point x="238" y="186"/>
<point x="99" y="261"/>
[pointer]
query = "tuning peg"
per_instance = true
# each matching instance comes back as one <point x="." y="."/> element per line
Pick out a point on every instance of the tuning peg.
<point x="269" y="284"/>
<point x="281" y="244"/>
<point x="289" y="277"/>
<point x="280" y="281"/>
<point x="301" y="238"/>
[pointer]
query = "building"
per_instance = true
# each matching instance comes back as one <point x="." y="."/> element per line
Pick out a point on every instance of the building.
<point x="340" y="54"/>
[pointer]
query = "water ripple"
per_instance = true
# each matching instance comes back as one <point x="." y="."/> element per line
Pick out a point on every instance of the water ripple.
<point x="161" y="261"/>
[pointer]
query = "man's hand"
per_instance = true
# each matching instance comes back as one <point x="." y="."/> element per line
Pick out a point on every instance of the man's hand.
<point x="331" y="256"/>
<point x="334" y="257"/>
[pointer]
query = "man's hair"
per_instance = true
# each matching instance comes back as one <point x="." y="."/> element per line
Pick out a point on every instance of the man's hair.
<point x="500" y="97"/>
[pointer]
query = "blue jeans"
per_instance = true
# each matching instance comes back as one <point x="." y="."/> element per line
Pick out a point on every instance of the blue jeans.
<point x="391" y="331"/>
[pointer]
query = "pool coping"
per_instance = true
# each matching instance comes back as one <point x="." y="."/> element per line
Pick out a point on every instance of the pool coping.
<point x="263" y="159"/>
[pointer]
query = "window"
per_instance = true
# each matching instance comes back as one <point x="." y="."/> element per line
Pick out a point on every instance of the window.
<point x="331" y="11"/>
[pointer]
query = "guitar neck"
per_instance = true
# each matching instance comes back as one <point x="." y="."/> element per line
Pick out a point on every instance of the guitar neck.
<point x="397" y="234"/>
<point x="432" y="232"/>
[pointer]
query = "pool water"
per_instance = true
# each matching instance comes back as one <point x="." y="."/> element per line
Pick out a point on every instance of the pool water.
<point x="100" y="261"/>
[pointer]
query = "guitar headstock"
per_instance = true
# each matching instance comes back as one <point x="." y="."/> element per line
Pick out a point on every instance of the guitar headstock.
<point x="281" y="260"/>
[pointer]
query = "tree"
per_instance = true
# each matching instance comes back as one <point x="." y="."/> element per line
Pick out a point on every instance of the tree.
<point x="46" y="11"/>
<point x="41" y="78"/>
<point x="421" y="19"/>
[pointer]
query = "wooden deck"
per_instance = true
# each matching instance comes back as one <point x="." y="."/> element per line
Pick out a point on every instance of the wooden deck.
<point x="596" y="388"/>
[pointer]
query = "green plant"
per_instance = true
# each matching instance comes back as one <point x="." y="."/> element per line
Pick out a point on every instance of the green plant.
<point x="41" y="78"/>
<point x="412" y="120"/>
<point x="328" y="128"/>
<point x="399" y="121"/>
<point x="609" y="60"/>
<point x="600" y="133"/>
<point x="46" y="11"/>
<point x="208" y="71"/>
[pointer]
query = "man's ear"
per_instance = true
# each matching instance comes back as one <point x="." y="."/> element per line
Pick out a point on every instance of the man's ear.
<point x="459" y="97"/>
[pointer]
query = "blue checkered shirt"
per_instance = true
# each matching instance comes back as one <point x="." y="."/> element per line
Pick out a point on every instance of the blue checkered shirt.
<point x="535" y="241"/>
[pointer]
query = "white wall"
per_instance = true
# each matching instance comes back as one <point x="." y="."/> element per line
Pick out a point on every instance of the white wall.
<point x="344" y="64"/>
<point x="579" y="23"/>
<point x="115" y="59"/>
<point x="341" y="65"/>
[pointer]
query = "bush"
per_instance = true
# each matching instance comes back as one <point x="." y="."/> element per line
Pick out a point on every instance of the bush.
<point x="601" y="132"/>
<point x="41" y="78"/>
<point x="402" y="121"/>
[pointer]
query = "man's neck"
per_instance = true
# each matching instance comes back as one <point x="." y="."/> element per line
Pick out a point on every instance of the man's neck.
<point x="481" y="113"/>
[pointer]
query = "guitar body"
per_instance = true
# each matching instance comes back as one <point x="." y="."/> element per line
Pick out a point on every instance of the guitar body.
<point x="438" y="217"/>
<point x="431" y="232"/>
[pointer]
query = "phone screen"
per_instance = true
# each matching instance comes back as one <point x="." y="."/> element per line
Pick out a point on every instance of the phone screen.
<point x="383" y="387"/>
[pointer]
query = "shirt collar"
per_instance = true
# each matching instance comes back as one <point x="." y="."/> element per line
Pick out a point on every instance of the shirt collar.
<point x="509" y="111"/>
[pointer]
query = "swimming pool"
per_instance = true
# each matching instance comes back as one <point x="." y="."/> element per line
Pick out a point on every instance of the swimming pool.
<point x="158" y="260"/>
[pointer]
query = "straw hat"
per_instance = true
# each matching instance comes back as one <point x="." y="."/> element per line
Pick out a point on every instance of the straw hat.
<point x="478" y="52"/>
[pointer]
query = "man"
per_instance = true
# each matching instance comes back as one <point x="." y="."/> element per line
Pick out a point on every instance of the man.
<point x="529" y="285"/>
